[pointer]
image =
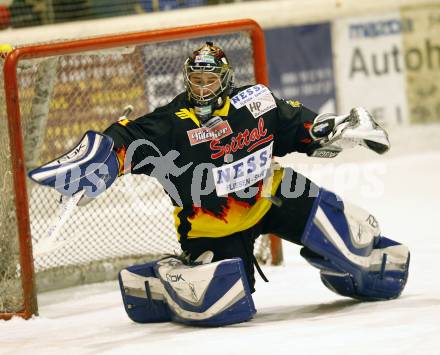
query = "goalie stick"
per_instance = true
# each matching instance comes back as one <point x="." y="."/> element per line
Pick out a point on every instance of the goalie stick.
<point x="51" y="241"/>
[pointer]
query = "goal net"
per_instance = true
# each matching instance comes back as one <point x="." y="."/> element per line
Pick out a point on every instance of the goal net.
<point x="65" y="89"/>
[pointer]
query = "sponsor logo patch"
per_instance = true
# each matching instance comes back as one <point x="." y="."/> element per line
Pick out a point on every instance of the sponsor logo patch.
<point x="247" y="95"/>
<point x="204" y="58"/>
<point x="249" y="139"/>
<point x="212" y="122"/>
<point x="261" y="105"/>
<point x="205" y="134"/>
<point x="243" y="173"/>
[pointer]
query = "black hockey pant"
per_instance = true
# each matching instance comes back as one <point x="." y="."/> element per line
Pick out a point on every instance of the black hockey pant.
<point x="286" y="219"/>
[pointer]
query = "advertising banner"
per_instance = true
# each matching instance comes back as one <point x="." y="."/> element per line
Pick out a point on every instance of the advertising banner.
<point x="369" y="65"/>
<point x="301" y="65"/>
<point x="422" y="61"/>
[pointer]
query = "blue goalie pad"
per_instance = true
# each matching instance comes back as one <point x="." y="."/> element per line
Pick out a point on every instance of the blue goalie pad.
<point x="92" y="165"/>
<point x="374" y="286"/>
<point x="143" y="294"/>
<point x="213" y="294"/>
<point x="344" y="242"/>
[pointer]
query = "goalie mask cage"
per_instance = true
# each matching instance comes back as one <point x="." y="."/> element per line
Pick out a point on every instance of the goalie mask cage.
<point x="53" y="93"/>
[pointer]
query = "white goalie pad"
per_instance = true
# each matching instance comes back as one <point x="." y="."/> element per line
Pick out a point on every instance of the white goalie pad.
<point x="345" y="243"/>
<point x="212" y="294"/>
<point x="136" y="285"/>
<point x="143" y="294"/>
<point x="204" y="294"/>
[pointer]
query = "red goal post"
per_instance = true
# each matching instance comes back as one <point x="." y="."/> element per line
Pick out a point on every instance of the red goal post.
<point x="21" y="199"/>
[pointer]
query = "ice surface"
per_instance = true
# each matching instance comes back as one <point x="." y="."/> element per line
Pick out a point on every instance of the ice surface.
<point x="296" y="313"/>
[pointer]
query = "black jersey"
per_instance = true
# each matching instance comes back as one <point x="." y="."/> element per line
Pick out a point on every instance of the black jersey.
<point x="216" y="174"/>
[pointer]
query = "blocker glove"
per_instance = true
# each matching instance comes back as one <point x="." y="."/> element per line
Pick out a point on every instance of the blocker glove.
<point x="92" y="165"/>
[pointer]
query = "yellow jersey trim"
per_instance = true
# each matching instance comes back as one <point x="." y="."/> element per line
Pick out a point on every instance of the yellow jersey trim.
<point x="123" y="122"/>
<point x="238" y="218"/>
<point x="184" y="114"/>
<point x="224" y="111"/>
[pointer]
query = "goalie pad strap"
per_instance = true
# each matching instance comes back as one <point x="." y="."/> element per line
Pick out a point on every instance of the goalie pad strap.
<point x="143" y="294"/>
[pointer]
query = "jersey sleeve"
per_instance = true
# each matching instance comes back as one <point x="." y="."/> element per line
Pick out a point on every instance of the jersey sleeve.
<point x="140" y="141"/>
<point x="292" y="132"/>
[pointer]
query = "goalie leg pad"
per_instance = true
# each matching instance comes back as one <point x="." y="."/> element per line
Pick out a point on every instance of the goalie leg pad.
<point x="143" y="294"/>
<point x="212" y="294"/>
<point x="344" y="242"/>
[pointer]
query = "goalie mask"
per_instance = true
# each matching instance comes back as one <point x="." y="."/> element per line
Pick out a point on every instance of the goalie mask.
<point x="208" y="79"/>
